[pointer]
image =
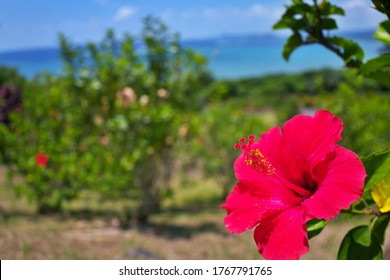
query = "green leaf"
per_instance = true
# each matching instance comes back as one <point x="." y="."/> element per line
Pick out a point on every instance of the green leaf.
<point x="362" y="235"/>
<point x="314" y="227"/>
<point x="377" y="166"/>
<point x="292" y="23"/>
<point x="294" y="18"/>
<point x="381" y="6"/>
<point x="329" y="9"/>
<point x="378" y="69"/>
<point x="281" y="24"/>
<point x="299" y="9"/>
<point x="328" y="24"/>
<point x="350" y="48"/>
<point x="379" y="228"/>
<point x="381" y="76"/>
<point x="375" y="64"/>
<point x="353" y="50"/>
<point x="293" y="42"/>
<point x="360" y="244"/>
<point x="383" y="32"/>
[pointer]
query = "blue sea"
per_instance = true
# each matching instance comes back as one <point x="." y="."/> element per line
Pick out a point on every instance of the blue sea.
<point x="229" y="56"/>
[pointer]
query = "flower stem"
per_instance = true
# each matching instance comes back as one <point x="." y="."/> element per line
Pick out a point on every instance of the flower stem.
<point x="366" y="212"/>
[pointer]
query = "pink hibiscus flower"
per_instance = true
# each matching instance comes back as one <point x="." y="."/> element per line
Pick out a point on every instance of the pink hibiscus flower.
<point x="289" y="177"/>
<point x="41" y="159"/>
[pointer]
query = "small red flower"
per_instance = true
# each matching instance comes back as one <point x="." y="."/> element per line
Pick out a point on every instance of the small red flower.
<point x="41" y="159"/>
<point x="289" y="177"/>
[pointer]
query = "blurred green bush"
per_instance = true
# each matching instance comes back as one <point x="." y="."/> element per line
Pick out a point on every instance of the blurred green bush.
<point x="109" y="124"/>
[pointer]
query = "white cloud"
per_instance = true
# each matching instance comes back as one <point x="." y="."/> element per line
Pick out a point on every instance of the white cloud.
<point x="258" y="9"/>
<point x="230" y="12"/>
<point x="359" y="15"/>
<point x="351" y="4"/>
<point x="206" y="21"/>
<point x="124" y="13"/>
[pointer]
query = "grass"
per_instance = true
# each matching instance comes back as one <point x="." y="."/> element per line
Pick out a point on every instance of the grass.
<point x="178" y="232"/>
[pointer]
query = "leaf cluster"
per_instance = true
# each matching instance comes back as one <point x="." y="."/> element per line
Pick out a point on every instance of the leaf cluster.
<point x="313" y="23"/>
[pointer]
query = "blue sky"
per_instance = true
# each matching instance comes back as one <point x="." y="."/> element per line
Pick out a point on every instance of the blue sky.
<point x="36" y="23"/>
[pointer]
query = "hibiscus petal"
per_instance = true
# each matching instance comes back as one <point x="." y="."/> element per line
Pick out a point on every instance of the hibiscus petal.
<point x="283" y="236"/>
<point x="316" y="137"/>
<point x="245" y="210"/>
<point x="341" y="182"/>
<point x="307" y="141"/>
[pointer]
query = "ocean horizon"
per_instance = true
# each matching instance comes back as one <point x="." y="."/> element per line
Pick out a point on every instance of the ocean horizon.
<point x="229" y="56"/>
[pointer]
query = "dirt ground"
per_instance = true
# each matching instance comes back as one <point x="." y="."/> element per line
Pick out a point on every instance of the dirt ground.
<point x="176" y="233"/>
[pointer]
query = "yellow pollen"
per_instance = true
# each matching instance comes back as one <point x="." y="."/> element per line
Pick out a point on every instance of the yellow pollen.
<point x="257" y="161"/>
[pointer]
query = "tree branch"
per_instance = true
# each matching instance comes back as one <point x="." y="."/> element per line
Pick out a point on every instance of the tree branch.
<point x="322" y="40"/>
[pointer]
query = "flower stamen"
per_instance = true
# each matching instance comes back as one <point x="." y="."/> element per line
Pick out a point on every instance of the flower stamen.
<point x="258" y="162"/>
<point x="244" y="143"/>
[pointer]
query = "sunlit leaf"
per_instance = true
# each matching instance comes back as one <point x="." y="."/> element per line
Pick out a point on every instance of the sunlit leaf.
<point x="377" y="166"/>
<point x="281" y="24"/>
<point x="383" y="32"/>
<point x="381" y="194"/>
<point x="314" y="227"/>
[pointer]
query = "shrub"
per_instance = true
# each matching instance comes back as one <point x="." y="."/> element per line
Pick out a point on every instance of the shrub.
<point x="109" y="124"/>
